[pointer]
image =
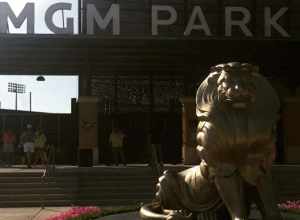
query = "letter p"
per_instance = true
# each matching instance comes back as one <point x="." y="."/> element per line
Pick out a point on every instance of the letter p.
<point x="156" y="21"/>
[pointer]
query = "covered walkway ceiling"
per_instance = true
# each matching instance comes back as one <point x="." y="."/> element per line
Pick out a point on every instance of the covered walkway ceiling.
<point x="53" y="54"/>
<point x="68" y="55"/>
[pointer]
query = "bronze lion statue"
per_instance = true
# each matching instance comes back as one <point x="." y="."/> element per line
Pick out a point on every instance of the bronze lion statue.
<point x="237" y="110"/>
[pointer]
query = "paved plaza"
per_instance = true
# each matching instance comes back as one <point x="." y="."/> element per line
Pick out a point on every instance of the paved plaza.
<point x="34" y="213"/>
<point x="37" y="213"/>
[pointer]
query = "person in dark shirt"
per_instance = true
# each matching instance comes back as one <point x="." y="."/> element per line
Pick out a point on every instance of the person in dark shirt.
<point x="155" y="150"/>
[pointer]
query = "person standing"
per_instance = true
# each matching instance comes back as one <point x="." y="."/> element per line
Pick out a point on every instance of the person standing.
<point x="116" y="139"/>
<point x="9" y="140"/>
<point x="155" y="150"/>
<point x="27" y="141"/>
<point x="40" y="141"/>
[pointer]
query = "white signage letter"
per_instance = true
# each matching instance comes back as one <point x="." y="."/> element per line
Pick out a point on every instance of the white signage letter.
<point x="27" y="13"/>
<point x="197" y="12"/>
<point x="113" y="15"/>
<point x="156" y="21"/>
<point x="241" y="23"/>
<point x="69" y="29"/>
<point x="272" y="21"/>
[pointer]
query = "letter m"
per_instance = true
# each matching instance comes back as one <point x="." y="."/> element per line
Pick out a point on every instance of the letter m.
<point x="113" y="15"/>
<point x="27" y="13"/>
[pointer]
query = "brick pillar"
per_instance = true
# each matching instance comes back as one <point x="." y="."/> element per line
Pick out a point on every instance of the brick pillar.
<point x="291" y="123"/>
<point x="189" y="131"/>
<point x="88" y="130"/>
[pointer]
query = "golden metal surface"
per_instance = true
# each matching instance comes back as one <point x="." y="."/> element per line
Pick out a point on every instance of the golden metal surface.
<point x="237" y="111"/>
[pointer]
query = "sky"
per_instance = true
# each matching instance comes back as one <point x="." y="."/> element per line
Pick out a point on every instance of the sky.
<point x="54" y="94"/>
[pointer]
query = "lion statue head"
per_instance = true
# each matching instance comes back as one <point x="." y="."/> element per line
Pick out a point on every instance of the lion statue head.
<point x="236" y="85"/>
<point x="237" y="110"/>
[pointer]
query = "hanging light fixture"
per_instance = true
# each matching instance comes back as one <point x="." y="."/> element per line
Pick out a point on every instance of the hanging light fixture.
<point x="40" y="78"/>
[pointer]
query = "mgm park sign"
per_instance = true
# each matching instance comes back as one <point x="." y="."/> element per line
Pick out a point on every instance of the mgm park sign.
<point x="111" y="18"/>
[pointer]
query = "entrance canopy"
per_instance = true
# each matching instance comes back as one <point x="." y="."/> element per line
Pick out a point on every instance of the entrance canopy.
<point x="190" y="58"/>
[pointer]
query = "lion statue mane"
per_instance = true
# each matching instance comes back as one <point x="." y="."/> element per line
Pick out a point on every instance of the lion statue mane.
<point x="238" y="111"/>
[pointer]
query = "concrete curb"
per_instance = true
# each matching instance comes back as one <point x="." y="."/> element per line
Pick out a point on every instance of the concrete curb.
<point x="123" y="216"/>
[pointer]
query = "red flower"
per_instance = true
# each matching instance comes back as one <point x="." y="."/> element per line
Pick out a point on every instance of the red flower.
<point x="78" y="213"/>
<point x="293" y="206"/>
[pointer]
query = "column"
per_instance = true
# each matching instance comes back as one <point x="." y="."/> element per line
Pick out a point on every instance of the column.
<point x="291" y="122"/>
<point x="88" y="130"/>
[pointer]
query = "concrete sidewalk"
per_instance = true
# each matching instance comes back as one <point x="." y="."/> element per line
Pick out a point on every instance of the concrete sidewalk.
<point x="32" y="213"/>
<point x="124" y="216"/>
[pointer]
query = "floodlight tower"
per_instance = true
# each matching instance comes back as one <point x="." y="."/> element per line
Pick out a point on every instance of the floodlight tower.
<point x="16" y="88"/>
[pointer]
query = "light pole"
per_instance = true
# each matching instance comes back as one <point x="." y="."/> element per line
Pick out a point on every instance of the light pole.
<point x="16" y="88"/>
<point x="30" y="101"/>
<point x="40" y="78"/>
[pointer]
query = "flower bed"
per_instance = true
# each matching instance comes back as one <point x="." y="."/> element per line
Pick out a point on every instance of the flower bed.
<point x="78" y="213"/>
<point x="290" y="209"/>
<point x="91" y="212"/>
<point x="290" y="206"/>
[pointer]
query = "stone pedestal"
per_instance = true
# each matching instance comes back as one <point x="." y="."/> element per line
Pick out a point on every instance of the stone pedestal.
<point x="189" y="125"/>
<point x="88" y="130"/>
